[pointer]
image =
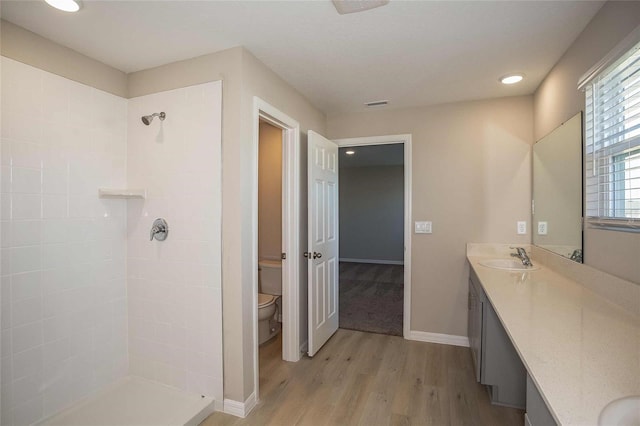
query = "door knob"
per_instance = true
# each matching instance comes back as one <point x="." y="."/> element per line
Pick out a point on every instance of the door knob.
<point x="317" y="255"/>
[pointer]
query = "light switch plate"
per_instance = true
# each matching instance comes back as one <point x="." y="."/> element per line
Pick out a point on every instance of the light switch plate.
<point x="542" y="228"/>
<point x="522" y="227"/>
<point x="423" y="228"/>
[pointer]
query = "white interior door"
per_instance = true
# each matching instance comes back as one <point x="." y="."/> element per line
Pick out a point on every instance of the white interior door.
<point x="323" y="240"/>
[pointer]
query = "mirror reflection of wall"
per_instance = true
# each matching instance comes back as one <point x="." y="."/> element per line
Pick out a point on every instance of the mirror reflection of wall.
<point x="557" y="190"/>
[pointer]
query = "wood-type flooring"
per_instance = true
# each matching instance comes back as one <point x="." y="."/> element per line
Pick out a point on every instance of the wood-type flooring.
<point x="361" y="378"/>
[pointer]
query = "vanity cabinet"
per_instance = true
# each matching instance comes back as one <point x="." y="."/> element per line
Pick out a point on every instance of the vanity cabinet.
<point x="496" y="361"/>
<point x="474" y="325"/>
<point x="537" y="412"/>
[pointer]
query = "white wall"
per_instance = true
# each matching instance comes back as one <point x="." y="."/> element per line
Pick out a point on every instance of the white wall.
<point x="372" y="213"/>
<point x="64" y="316"/>
<point x="175" y="298"/>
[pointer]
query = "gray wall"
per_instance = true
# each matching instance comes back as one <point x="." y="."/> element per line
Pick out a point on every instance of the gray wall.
<point x="372" y="213"/>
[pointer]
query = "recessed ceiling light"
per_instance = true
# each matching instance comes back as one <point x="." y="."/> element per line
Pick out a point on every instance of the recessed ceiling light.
<point x="65" y="5"/>
<point x="350" y="152"/>
<point x="352" y="6"/>
<point x="511" y="78"/>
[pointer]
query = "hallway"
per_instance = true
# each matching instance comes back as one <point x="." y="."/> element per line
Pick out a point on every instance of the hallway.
<point x="372" y="297"/>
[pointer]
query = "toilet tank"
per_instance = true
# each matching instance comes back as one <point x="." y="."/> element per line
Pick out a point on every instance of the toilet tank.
<point x="271" y="276"/>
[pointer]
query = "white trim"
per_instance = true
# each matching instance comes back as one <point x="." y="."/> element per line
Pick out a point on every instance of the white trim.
<point x="614" y="54"/>
<point x="290" y="231"/>
<point x="445" y="339"/>
<point x="406" y="140"/>
<point x="240" y="409"/>
<point x="613" y="224"/>
<point x="304" y="347"/>
<point x="373" y="140"/>
<point x="374" y="261"/>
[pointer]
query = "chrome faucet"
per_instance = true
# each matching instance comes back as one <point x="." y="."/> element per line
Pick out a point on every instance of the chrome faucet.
<point x="576" y="256"/>
<point x="159" y="230"/>
<point x="522" y="255"/>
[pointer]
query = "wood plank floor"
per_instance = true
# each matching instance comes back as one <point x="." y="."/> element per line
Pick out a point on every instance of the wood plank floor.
<point x="371" y="379"/>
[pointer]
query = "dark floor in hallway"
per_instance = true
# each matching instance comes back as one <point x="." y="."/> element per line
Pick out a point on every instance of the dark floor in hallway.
<point x="371" y="297"/>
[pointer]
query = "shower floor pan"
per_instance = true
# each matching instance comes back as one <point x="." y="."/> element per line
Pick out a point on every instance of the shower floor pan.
<point x="136" y="401"/>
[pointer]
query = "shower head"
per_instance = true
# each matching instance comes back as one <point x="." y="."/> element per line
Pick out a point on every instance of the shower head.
<point x="147" y="119"/>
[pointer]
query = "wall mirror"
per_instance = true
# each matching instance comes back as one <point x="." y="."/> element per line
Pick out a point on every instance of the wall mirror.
<point x="557" y="190"/>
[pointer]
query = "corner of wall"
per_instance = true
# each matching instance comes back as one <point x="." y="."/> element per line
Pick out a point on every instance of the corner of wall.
<point x="32" y="49"/>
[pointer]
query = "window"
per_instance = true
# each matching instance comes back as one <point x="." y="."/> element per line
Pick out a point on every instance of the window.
<point x="627" y="196"/>
<point x="612" y="144"/>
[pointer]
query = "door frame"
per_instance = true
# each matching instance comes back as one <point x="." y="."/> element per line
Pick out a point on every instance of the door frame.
<point x="290" y="241"/>
<point x="404" y="139"/>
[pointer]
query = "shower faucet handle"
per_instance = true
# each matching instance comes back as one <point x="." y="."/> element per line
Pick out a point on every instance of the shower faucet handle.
<point x="159" y="230"/>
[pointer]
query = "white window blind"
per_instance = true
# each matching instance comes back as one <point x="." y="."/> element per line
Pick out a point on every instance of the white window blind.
<point x="612" y="143"/>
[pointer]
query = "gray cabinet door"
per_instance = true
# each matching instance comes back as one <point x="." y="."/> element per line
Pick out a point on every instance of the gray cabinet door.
<point x="474" y="327"/>
<point x="501" y="364"/>
<point x="537" y="412"/>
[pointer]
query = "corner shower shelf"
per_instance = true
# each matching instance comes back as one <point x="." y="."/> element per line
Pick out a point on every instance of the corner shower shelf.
<point x="122" y="193"/>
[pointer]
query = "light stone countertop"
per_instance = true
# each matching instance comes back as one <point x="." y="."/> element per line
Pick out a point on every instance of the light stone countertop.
<point x="581" y="350"/>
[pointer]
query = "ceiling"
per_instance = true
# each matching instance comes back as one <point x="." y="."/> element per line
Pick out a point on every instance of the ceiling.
<point x="412" y="53"/>
<point x="372" y="155"/>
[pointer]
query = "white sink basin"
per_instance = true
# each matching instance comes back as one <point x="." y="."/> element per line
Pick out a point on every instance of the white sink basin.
<point x="507" y="265"/>
<point x="621" y="412"/>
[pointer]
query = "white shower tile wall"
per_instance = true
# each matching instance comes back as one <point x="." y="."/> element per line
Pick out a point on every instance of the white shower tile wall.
<point x="63" y="277"/>
<point x="174" y="286"/>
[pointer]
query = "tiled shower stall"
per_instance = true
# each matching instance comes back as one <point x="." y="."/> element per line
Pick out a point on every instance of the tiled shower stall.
<point x="87" y="298"/>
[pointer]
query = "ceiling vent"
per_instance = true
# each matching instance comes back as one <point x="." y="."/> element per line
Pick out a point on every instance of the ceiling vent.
<point x="352" y="6"/>
<point x="374" y="104"/>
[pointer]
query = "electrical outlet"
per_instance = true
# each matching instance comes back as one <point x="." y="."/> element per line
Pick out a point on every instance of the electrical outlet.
<point x="522" y="227"/>
<point x="423" y="228"/>
<point x="542" y="228"/>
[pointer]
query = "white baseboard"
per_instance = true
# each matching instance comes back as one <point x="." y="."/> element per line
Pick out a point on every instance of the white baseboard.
<point x="445" y="339"/>
<point x="304" y="347"/>
<point x="219" y="405"/>
<point x="240" y="409"/>
<point x="204" y="413"/>
<point x="380" y="262"/>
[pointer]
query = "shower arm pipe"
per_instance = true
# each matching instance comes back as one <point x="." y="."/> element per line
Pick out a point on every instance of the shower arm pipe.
<point x="147" y="119"/>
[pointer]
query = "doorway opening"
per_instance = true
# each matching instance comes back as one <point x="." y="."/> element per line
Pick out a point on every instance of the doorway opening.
<point x="371" y="278"/>
<point x="375" y="234"/>
<point x="287" y="342"/>
<point x="270" y="248"/>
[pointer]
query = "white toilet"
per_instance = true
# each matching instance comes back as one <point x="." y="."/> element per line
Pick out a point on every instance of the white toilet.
<point x="270" y="276"/>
